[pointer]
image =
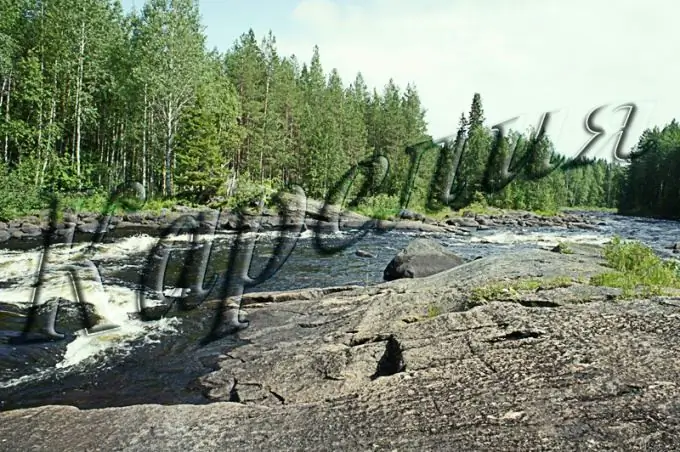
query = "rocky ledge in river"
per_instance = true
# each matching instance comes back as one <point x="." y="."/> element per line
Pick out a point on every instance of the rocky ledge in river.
<point x="32" y="227"/>
<point x="509" y="352"/>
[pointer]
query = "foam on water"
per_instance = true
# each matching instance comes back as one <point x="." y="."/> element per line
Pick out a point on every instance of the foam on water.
<point x="543" y="238"/>
<point x="113" y="303"/>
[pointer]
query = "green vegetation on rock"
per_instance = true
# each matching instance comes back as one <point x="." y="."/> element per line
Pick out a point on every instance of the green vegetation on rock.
<point x="563" y="248"/>
<point x="637" y="269"/>
<point x="512" y="289"/>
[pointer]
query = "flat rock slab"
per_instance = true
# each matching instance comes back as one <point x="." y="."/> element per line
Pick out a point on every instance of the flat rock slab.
<point x="418" y="365"/>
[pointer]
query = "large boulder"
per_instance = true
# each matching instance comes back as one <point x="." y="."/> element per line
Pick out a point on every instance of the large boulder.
<point x="421" y="258"/>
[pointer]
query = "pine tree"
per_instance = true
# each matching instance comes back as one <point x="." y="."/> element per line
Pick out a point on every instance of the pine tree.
<point x="201" y="168"/>
<point x="476" y="116"/>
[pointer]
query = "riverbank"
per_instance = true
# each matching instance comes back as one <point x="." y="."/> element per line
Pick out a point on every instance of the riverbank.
<point x="86" y="224"/>
<point x="513" y="351"/>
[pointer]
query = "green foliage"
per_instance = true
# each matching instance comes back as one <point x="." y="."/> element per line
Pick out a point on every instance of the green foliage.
<point x="156" y="205"/>
<point x="93" y="98"/>
<point x="18" y="194"/>
<point x="249" y="194"/>
<point x="636" y="267"/>
<point x="200" y="165"/>
<point x="433" y="311"/>
<point x="479" y="208"/>
<point x="650" y="184"/>
<point x="563" y="248"/>
<point x="380" y="207"/>
<point x="512" y="290"/>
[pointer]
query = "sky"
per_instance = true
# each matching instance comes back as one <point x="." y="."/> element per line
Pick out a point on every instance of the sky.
<point x="524" y="57"/>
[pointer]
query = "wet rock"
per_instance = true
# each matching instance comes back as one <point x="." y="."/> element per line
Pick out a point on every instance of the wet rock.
<point x="410" y="215"/>
<point x="270" y="222"/>
<point x="4" y="235"/>
<point x="31" y="230"/>
<point x="126" y="224"/>
<point x="72" y="316"/>
<point x="421" y="258"/>
<point x="271" y="219"/>
<point x="362" y="253"/>
<point x="88" y="228"/>
<point x="182" y="209"/>
<point x="351" y="220"/>
<point x="87" y="218"/>
<point x="63" y="232"/>
<point x="581" y="225"/>
<point x="133" y="217"/>
<point x="463" y="222"/>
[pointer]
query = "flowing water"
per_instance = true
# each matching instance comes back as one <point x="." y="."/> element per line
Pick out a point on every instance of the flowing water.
<point x="157" y="361"/>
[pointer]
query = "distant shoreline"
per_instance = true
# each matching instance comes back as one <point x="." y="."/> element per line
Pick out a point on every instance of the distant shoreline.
<point x="32" y="228"/>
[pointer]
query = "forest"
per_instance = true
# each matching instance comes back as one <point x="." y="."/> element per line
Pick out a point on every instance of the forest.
<point x="92" y="96"/>
<point x="651" y="186"/>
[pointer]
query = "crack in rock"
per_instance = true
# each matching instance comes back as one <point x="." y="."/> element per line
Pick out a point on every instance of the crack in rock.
<point x="235" y="396"/>
<point x="392" y="361"/>
<point x="516" y="336"/>
<point x="354" y="342"/>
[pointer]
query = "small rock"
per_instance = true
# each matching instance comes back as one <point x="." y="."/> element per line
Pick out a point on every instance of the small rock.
<point x="88" y="228"/>
<point x="31" y="230"/>
<point x="410" y="215"/>
<point x="362" y="253"/>
<point x="512" y="415"/>
<point x="133" y="218"/>
<point x="31" y="220"/>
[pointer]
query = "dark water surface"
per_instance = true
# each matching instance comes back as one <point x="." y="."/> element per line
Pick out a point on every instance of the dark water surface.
<point x="158" y="361"/>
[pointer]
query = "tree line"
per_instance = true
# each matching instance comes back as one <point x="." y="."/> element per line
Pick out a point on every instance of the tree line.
<point x="91" y="96"/>
<point x="651" y="186"/>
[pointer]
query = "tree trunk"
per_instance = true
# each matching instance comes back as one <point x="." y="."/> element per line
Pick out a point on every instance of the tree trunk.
<point x="167" y="170"/>
<point x="152" y="160"/>
<point x="144" y="145"/>
<point x="264" y="130"/>
<point x="53" y="112"/>
<point x="79" y="87"/>
<point x="42" y="73"/>
<point x="123" y="150"/>
<point x="8" y="98"/>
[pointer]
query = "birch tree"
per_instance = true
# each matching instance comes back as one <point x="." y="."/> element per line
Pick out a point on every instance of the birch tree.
<point x="171" y="41"/>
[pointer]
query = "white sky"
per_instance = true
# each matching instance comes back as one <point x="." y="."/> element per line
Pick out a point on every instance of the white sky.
<point x="524" y="57"/>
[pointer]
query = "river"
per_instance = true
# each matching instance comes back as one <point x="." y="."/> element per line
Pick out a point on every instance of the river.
<point x="157" y="361"/>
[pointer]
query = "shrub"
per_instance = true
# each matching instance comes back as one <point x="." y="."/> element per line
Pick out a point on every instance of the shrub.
<point x="379" y="207"/>
<point x="637" y="266"/>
